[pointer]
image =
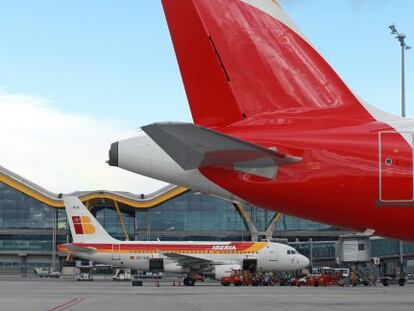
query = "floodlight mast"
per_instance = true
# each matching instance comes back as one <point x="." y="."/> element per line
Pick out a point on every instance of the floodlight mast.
<point x="401" y="38"/>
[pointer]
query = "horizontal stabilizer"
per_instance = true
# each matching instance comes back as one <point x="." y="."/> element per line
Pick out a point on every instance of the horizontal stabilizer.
<point x="79" y="249"/>
<point x="193" y="147"/>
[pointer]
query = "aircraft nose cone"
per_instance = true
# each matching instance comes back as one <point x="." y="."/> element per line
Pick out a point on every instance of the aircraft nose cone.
<point x="305" y="261"/>
<point x="113" y="154"/>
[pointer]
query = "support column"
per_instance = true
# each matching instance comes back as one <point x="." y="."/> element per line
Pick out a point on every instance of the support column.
<point x="401" y="255"/>
<point x="311" y="252"/>
<point x="272" y="226"/>
<point x="121" y="219"/>
<point x="23" y="264"/>
<point x="88" y="205"/>
<point x="136" y="224"/>
<point x="148" y="222"/>
<point x="249" y="223"/>
<point x="54" y="225"/>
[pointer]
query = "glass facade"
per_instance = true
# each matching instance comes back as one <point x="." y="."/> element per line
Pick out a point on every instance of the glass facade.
<point x="109" y="219"/>
<point x="324" y="250"/>
<point x="291" y="223"/>
<point x="29" y="242"/>
<point x="20" y="211"/>
<point x="62" y="223"/>
<point x="320" y="250"/>
<point x="194" y="215"/>
<point x="390" y="248"/>
<point x="384" y="247"/>
<point x="260" y="217"/>
<point x="408" y="248"/>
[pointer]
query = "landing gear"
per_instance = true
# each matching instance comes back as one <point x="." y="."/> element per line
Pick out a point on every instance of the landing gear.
<point x="188" y="281"/>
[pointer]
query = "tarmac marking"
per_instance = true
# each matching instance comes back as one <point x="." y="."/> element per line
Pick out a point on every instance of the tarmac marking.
<point x="66" y="305"/>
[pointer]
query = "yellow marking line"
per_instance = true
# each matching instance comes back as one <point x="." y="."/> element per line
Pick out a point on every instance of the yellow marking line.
<point x="121" y="219"/>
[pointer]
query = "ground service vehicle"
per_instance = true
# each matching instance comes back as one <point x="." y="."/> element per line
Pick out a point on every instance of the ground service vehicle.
<point x="46" y="273"/>
<point x="122" y="275"/>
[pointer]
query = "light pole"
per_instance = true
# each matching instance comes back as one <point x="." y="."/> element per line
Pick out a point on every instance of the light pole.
<point x="401" y="38"/>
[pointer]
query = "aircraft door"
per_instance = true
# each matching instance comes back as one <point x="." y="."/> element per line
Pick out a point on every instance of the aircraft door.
<point x="156" y="265"/>
<point x="116" y="252"/>
<point x="272" y="252"/>
<point x="250" y="265"/>
<point x="395" y="167"/>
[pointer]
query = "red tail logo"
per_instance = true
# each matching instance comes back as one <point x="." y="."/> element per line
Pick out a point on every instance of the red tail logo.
<point x="83" y="225"/>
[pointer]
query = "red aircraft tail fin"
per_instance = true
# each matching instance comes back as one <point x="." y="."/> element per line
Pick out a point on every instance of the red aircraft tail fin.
<point x="240" y="58"/>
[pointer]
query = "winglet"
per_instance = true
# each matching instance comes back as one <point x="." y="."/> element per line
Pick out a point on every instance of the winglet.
<point x="70" y="248"/>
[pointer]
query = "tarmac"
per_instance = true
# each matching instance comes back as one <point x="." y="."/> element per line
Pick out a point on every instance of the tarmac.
<point x="60" y="294"/>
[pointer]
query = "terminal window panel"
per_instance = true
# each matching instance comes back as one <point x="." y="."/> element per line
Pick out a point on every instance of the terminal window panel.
<point x="20" y="211"/>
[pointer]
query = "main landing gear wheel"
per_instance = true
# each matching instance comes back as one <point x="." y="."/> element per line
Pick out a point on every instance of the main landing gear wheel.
<point x="189" y="281"/>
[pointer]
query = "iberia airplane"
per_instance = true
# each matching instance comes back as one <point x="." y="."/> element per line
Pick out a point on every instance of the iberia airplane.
<point x="214" y="259"/>
<point x="274" y="125"/>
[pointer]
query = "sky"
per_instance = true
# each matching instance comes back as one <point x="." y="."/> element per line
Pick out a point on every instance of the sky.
<point x="77" y="75"/>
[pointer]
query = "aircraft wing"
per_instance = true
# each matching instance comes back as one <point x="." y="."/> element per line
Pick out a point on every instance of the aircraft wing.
<point x="191" y="261"/>
<point x="192" y="146"/>
<point x="77" y="248"/>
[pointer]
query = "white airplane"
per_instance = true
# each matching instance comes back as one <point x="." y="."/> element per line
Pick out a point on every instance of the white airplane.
<point x="213" y="259"/>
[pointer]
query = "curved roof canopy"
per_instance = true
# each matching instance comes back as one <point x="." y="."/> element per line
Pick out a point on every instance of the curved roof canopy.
<point x="55" y="200"/>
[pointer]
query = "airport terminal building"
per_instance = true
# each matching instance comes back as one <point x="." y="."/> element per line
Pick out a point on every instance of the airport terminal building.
<point x="33" y="222"/>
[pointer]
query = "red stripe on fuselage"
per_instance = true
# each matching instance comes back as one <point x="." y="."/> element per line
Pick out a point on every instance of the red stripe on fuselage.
<point x="168" y="247"/>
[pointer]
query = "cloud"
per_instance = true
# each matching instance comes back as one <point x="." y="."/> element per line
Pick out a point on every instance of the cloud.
<point x="60" y="151"/>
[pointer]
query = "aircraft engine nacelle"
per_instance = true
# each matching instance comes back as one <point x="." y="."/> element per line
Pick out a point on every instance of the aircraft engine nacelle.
<point x="221" y="271"/>
<point x="173" y="267"/>
<point x="143" y="156"/>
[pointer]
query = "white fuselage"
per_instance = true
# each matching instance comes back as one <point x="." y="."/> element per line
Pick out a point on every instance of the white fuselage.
<point x="138" y="255"/>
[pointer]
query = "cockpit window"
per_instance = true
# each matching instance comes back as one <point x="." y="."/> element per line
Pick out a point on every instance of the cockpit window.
<point x="288" y="252"/>
<point x="291" y="252"/>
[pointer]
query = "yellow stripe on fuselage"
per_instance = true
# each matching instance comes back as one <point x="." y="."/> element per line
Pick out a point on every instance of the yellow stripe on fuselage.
<point x="256" y="247"/>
